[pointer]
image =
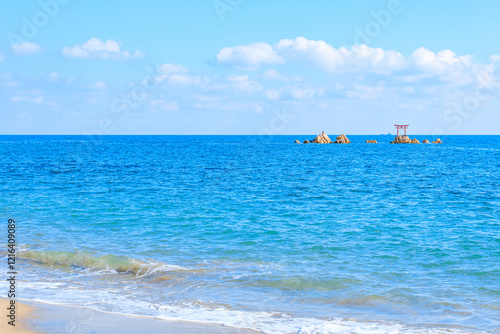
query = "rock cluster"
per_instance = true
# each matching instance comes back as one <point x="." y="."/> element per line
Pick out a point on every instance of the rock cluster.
<point x="342" y="139"/>
<point x="322" y="138"/>
<point x="401" y="139"/>
<point x="404" y="139"/>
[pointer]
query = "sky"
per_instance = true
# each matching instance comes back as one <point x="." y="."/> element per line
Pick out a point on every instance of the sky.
<point x="251" y="67"/>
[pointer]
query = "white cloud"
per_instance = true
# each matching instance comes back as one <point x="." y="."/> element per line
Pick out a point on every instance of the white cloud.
<point x="33" y="97"/>
<point x="177" y="75"/>
<point x="272" y="94"/>
<point x="25" y="49"/>
<point x="443" y="61"/>
<point x="272" y="74"/>
<point x="243" y="84"/>
<point x="53" y="77"/>
<point x="495" y="58"/>
<point x="296" y="92"/>
<point x="320" y="52"/>
<point x="182" y="79"/>
<point x="249" y="56"/>
<point x="28" y="99"/>
<point x="445" y="66"/>
<point x="327" y="57"/>
<point x="99" y="85"/>
<point x="299" y="94"/>
<point x="365" y="92"/>
<point x="369" y="80"/>
<point x="97" y="49"/>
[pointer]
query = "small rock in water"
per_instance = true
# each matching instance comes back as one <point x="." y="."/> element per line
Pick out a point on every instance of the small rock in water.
<point x="297" y="142"/>
<point x="371" y="141"/>
<point x="415" y="141"/>
<point x="437" y="141"/>
<point x="322" y="139"/>
<point x="342" y="139"/>
<point x="306" y="141"/>
<point x="426" y="142"/>
<point x="401" y="139"/>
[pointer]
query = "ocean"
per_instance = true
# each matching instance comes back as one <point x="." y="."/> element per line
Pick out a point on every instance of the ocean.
<point x="258" y="232"/>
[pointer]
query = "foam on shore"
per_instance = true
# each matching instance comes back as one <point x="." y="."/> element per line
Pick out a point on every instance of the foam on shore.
<point x="207" y="312"/>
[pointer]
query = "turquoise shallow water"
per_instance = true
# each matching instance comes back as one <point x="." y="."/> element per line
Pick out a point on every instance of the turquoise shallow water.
<point x="261" y="233"/>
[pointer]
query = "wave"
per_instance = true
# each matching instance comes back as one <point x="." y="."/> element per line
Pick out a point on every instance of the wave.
<point x="199" y="310"/>
<point x="119" y="264"/>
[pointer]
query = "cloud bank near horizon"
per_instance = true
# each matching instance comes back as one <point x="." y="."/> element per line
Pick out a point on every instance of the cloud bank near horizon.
<point x="319" y="82"/>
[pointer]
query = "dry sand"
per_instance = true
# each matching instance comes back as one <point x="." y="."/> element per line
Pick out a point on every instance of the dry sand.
<point x="24" y="313"/>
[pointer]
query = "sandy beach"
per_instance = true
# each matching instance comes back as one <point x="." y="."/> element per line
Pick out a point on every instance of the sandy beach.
<point x="24" y="313"/>
<point x="32" y="318"/>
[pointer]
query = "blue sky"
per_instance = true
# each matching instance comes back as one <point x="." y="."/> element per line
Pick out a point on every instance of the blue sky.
<point x="249" y="67"/>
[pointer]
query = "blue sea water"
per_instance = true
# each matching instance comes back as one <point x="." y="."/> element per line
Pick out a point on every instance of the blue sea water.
<point x="258" y="232"/>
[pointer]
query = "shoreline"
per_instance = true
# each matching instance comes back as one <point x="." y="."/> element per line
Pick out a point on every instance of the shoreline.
<point x="40" y="318"/>
<point x="37" y="317"/>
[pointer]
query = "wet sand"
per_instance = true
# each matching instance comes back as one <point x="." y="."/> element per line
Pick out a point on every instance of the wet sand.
<point x="45" y="318"/>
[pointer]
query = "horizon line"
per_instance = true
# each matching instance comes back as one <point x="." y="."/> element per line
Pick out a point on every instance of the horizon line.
<point x="256" y="135"/>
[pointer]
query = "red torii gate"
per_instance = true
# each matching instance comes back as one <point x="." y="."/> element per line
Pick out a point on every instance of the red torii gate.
<point x="398" y="127"/>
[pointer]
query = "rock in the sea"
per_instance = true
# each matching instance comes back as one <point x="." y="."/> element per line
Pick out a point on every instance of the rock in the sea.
<point x="401" y="139"/>
<point x="371" y="141"/>
<point x="321" y="139"/>
<point x="306" y="141"/>
<point x="415" y="141"/>
<point x="437" y="141"/>
<point x="297" y="142"/>
<point x="426" y="142"/>
<point x="342" y="139"/>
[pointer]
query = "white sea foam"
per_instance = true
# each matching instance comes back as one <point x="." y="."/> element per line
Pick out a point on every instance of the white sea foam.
<point x="111" y="301"/>
<point x="280" y="323"/>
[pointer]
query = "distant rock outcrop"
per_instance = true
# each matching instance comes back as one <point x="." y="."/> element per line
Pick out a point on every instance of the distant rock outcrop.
<point x="306" y="141"/>
<point x="437" y="141"/>
<point x="297" y="142"/>
<point x="401" y="139"/>
<point x="342" y="139"/>
<point x="426" y="142"/>
<point x="371" y="141"/>
<point x="321" y="139"/>
<point x="415" y="141"/>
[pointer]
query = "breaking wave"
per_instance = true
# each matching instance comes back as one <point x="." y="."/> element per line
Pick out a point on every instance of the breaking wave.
<point x="119" y="264"/>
